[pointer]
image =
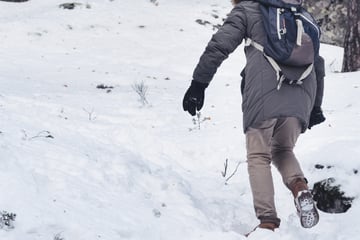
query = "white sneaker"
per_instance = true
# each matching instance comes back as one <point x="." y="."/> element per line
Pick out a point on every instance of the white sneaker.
<point x="306" y="209"/>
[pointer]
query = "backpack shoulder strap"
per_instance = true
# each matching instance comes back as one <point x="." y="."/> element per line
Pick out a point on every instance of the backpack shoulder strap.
<point x="280" y="77"/>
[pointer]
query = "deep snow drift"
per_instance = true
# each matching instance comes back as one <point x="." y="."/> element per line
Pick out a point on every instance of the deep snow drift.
<point x="82" y="158"/>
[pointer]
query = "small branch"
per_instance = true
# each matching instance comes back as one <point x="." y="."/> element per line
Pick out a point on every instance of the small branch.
<point x="223" y="173"/>
<point x="24" y="135"/>
<point x="90" y="113"/>
<point x="42" y="134"/>
<point x="233" y="174"/>
<point x="197" y="121"/>
<point x="198" y="115"/>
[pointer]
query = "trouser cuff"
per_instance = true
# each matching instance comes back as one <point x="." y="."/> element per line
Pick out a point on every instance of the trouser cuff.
<point x="269" y="219"/>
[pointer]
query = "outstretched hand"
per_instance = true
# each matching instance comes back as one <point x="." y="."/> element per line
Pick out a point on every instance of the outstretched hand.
<point x="194" y="97"/>
<point x="316" y="117"/>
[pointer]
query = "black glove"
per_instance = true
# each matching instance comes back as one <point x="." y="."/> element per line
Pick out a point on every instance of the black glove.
<point x="316" y="117"/>
<point x="194" y="97"/>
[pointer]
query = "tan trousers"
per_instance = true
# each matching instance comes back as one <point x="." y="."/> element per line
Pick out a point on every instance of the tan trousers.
<point x="272" y="141"/>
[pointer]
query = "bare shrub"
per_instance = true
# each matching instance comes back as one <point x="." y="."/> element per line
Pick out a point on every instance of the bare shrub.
<point x="141" y="89"/>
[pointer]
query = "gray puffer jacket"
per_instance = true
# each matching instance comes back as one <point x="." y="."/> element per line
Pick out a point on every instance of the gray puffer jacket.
<point x="261" y="98"/>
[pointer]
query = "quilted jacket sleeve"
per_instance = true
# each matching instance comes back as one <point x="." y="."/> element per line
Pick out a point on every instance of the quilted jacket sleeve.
<point x="222" y="43"/>
<point x="320" y="74"/>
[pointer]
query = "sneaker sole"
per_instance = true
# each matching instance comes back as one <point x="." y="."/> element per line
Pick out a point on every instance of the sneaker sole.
<point x="307" y="211"/>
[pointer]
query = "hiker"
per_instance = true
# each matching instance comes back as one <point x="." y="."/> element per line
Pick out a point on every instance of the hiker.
<point x="273" y="116"/>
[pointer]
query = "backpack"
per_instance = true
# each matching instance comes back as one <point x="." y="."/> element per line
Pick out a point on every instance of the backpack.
<point x="293" y="38"/>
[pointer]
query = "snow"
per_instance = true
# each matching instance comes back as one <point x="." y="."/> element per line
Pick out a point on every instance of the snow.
<point x="80" y="162"/>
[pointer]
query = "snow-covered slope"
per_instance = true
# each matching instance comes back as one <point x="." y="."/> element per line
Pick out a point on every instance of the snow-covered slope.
<point x="82" y="162"/>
